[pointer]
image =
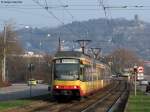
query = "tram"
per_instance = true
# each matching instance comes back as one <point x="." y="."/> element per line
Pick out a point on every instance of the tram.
<point x="76" y="74"/>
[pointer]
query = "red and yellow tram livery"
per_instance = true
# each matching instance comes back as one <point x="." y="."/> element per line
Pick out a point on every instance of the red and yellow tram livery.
<point x="77" y="74"/>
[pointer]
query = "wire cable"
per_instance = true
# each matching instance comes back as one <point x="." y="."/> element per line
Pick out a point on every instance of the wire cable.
<point x="66" y="10"/>
<point x="46" y="4"/>
<point x="54" y="16"/>
<point x="73" y="18"/>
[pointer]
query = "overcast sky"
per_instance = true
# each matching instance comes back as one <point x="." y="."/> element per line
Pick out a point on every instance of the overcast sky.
<point x="66" y="11"/>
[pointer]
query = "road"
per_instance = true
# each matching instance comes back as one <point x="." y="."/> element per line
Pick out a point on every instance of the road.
<point x="147" y="77"/>
<point x="17" y="91"/>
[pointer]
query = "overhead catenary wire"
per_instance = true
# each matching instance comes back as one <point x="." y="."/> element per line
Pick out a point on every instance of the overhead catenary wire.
<point x="67" y="10"/>
<point x="90" y="9"/>
<point x="50" y="12"/>
<point x="66" y="7"/>
<point x="85" y="5"/>
<point x="101" y="4"/>
<point x="119" y="8"/>
<point x="55" y="17"/>
<point x="73" y="18"/>
<point x="46" y="4"/>
<point x="57" y="7"/>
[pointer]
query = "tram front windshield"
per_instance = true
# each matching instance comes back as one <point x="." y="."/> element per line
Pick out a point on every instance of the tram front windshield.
<point x="66" y="71"/>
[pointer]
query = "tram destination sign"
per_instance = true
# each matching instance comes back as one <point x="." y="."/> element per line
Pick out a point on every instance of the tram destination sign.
<point x="11" y="2"/>
<point x="67" y="61"/>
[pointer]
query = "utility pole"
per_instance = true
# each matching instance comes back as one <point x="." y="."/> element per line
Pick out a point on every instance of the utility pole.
<point x="30" y="68"/>
<point x="40" y="54"/>
<point x="59" y="44"/>
<point x="4" y="55"/>
<point x="96" y="52"/>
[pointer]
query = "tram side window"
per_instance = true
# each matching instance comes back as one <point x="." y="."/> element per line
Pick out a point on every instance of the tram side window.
<point x="86" y="73"/>
<point x="82" y="73"/>
<point x="99" y="74"/>
<point x="89" y="73"/>
<point x="102" y="73"/>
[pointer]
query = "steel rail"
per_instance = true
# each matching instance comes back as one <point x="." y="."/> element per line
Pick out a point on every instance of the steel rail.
<point x="110" y="107"/>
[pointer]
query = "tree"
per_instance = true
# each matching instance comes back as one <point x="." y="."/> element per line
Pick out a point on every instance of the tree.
<point x="12" y="47"/>
<point x="122" y="58"/>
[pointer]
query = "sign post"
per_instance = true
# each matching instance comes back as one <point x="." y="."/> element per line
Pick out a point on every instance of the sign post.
<point x="140" y="73"/>
<point x="135" y="75"/>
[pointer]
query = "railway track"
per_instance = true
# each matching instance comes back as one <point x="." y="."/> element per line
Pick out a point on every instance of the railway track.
<point x="108" y="102"/>
<point x="99" y="102"/>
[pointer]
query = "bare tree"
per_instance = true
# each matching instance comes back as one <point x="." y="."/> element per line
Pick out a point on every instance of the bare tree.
<point x="12" y="47"/>
<point x="122" y="58"/>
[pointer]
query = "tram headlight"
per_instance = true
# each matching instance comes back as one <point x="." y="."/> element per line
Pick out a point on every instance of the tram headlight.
<point x="75" y="87"/>
<point x="57" y="87"/>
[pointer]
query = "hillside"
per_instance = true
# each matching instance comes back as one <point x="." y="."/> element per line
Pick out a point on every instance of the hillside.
<point x="107" y="34"/>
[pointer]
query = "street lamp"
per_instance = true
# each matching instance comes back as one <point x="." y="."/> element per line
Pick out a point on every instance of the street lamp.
<point x="40" y="44"/>
<point x="48" y="35"/>
<point x="30" y="66"/>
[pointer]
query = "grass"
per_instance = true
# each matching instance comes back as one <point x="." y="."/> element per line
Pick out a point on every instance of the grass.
<point x="139" y="103"/>
<point x="12" y="104"/>
<point x="4" y="105"/>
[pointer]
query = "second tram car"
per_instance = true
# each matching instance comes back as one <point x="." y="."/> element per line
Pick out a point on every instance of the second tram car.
<point x="76" y="74"/>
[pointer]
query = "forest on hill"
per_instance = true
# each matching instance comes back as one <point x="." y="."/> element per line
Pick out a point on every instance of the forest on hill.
<point x="106" y="34"/>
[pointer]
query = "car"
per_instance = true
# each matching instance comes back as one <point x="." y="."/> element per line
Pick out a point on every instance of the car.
<point x="32" y="82"/>
<point x="143" y="82"/>
<point x="148" y="87"/>
<point x="114" y="75"/>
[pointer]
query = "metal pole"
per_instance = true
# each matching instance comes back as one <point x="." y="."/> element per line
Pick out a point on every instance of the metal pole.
<point x="29" y="65"/>
<point x="135" y="84"/>
<point x="30" y="91"/>
<point x="59" y="48"/>
<point x="40" y="55"/>
<point x="4" y="56"/>
<point x="135" y="74"/>
<point x="30" y="85"/>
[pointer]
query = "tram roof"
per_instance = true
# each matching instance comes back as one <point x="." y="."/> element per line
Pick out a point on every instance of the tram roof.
<point x="77" y="54"/>
<point x="70" y="54"/>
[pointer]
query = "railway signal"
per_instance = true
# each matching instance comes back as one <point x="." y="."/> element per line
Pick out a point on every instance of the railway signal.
<point x="140" y="69"/>
<point x="135" y="69"/>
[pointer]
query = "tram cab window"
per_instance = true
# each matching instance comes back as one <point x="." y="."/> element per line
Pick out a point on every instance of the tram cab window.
<point x="66" y="71"/>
